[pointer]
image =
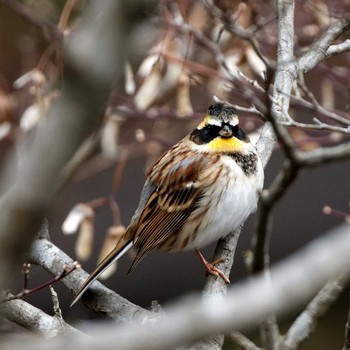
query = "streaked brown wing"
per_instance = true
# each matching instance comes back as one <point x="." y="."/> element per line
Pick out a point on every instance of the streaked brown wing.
<point x="175" y="196"/>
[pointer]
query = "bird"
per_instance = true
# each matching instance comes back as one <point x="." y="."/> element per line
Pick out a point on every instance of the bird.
<point x="200" y="190"/>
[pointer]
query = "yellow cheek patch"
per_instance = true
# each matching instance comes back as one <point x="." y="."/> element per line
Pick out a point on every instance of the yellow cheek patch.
<point x="220" y="144"/>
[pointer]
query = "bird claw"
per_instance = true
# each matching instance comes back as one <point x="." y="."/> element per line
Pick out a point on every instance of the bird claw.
<point x="211" y="268"/>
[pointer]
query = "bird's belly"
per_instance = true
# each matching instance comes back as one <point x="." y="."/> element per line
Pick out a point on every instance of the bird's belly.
<point x="230" y="212"/>
<point x="229" y="206"/>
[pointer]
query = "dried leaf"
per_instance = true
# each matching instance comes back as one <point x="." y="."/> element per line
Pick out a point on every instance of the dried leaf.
<point x="149" y="89"/>
<point x="327" y="94"/>
<point x="75" y="217"/>
<point x="5" y="129"/>
<point x="130" y="85"/>
<point x="36" y="112"/>
<point x="184" y="106"/>
<point x="110" y="136"/>
<point x="255" y="62"/>
<point x="35" y="77"/>
<point x="84" y="243"/>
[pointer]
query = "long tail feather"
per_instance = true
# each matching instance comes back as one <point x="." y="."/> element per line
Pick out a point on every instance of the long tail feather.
<point x="113" y="256"/>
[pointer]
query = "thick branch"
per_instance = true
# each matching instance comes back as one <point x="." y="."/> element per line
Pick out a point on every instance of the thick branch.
<point x="193" y="318"/>
<point x="30" y="317"/>
<point x="98" y="298"/>
<point x="284" y="76"/>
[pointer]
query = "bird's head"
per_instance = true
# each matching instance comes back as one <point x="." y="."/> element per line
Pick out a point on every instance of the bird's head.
<point x="219" y="131"/>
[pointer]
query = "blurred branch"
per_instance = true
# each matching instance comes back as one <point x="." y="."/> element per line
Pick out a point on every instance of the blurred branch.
<point x="243" y="342"/>
<point x="193" y="318"/>
<point x="32" y="318"/>
<point x="324" y="155"/>
<point x="231" y="25"/>
<point x="347" y="330"/>
<point x="91" y="66"/>
<point x="315" y="105"/>
<point x="306" y="323"/>
<point x="98" y="298"/>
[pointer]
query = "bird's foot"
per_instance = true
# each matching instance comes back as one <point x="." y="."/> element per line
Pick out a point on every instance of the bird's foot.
<point x="211" y="268"/>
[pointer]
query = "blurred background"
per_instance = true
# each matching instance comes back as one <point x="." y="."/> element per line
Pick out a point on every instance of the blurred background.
<point x="167" y="90"/>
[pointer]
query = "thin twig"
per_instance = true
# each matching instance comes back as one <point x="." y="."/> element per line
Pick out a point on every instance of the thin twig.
<point x="66" y="271"/>
<point x="315" y="105"/>
<point x="231" y="25"/>
<point x="318" y="126"/>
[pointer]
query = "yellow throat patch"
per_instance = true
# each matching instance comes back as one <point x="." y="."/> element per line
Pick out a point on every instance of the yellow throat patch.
<point x="229" y="145"/>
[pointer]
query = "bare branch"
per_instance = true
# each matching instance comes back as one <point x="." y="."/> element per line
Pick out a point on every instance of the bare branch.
<point x="324" y="155"/>
<point x="30" y="317"/>
<point x="318" y="51"/>
<point x="306" y="323"/>
<point x="280" y="104"/>
<point x="25" y="291"/>
<point x="315" y="105"/>
<point x="339" y="48"/>
<point x="99" y="298"/>
<point x="242" y="341"/>
<point x="318" y="126"/>
<point x="347" y="332"/>
<point x="231" y="25"/>
<point x="84" y="95"/>
<point x="284" y="76"/>
<point x="193" y="318"/>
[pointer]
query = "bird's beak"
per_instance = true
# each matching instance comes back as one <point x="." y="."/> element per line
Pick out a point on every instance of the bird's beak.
<point x="225" y="132"/>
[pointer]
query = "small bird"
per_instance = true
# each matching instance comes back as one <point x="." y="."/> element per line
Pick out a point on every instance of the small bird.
<point x="200" y="190"/>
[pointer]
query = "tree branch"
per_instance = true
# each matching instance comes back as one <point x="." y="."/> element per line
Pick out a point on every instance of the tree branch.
<point x="193" y="318"/>
<point x="338" y="48"/>
<point x="91" y="66"/>
<point x="98" y="298"/>
<point x="30" y="317"/>
<point x="347" y="331"/>
<point x="306" y="323"/>
<point x="318" y="51"/>
<point x="284" y="76"/>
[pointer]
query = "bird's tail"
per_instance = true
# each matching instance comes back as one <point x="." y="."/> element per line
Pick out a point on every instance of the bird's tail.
<point x="113" y="256"/>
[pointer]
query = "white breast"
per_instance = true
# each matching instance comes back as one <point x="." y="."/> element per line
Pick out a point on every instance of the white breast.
<point x="234" y="197"/>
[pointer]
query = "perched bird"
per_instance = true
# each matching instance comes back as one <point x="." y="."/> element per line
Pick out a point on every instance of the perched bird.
<point x="200" y="190"/>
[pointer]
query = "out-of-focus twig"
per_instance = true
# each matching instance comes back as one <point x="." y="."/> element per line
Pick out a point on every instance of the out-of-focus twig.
<point x="66" y="271"/>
